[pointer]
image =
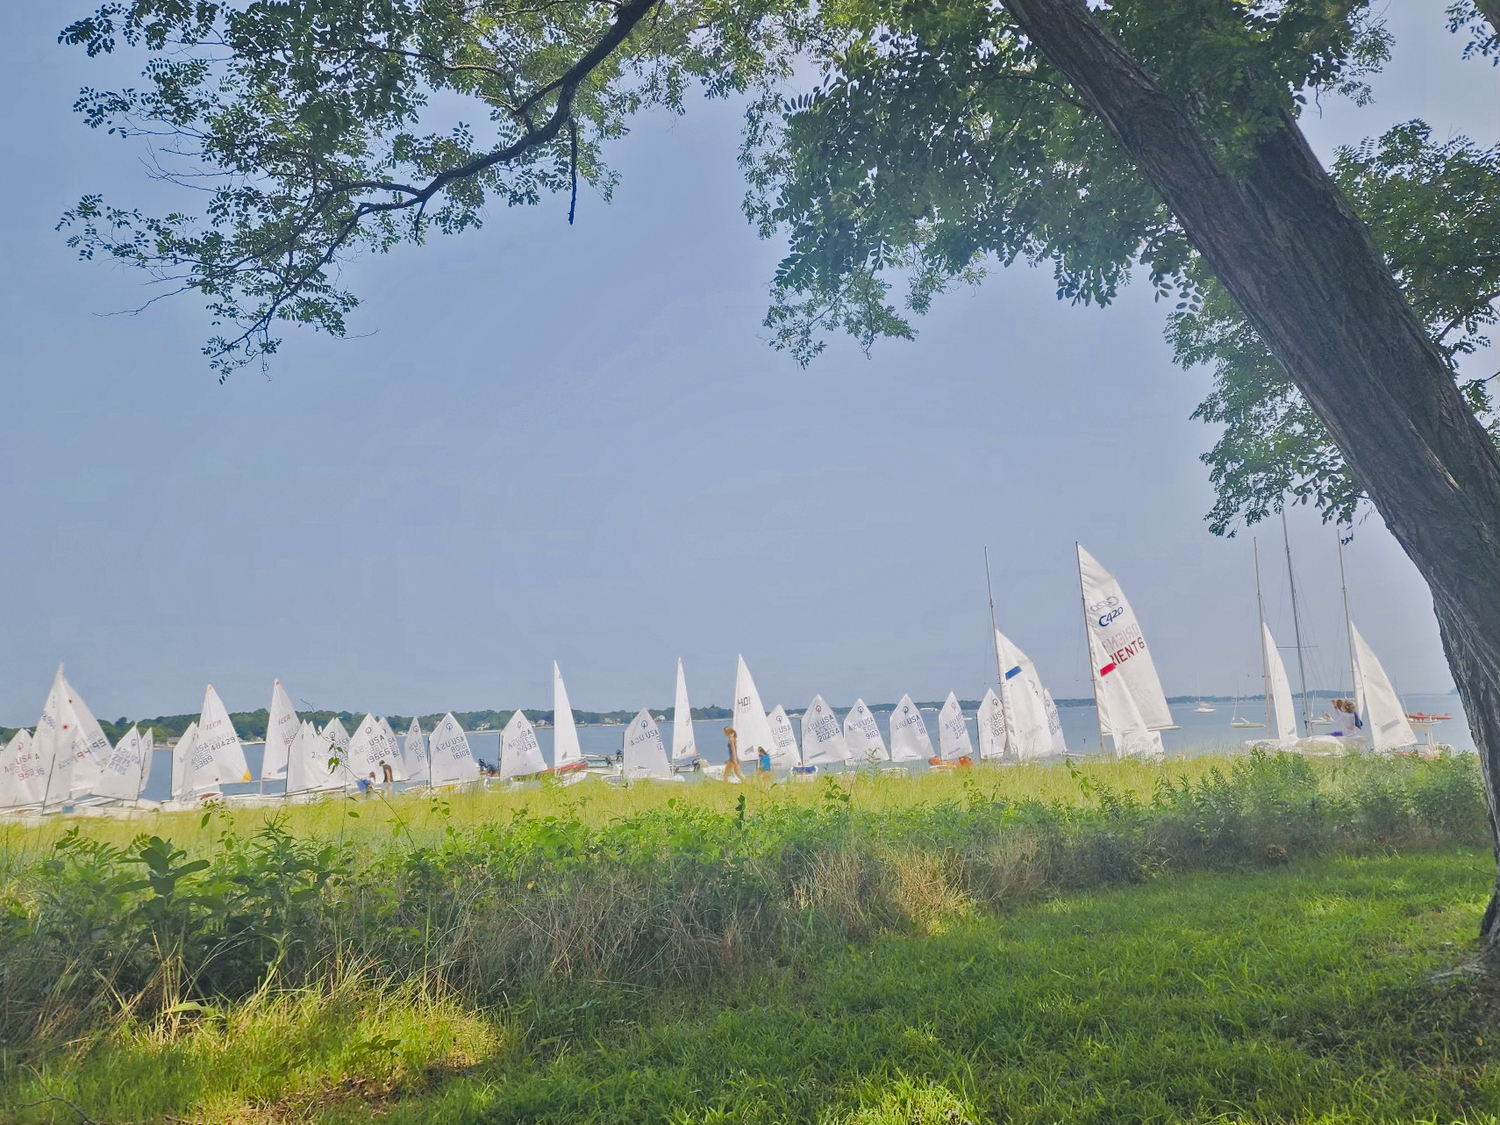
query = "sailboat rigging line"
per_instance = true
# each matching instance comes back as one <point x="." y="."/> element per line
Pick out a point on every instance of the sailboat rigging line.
<point x="1296" y="627"/>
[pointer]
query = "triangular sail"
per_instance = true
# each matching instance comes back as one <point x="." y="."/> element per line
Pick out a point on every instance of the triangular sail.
<point x="452" y="759"/>
<point x="520" y="753"/>
<point x="89" y="747"/>
<point x="393" y="750"/>
<point x="315" y="764"/>
<point x="182" y="763"/>
<point x="1378" y="702"/>
<point x="822" y="735"/>
<point x="372" y="746"/>
<point x="862" y="736"/>
<point x="337" y="734"/>
<point x="23" y="774"/>
<point x="414" y="754"/>
<point x="218" y="741"/>
<point x="642" y="752"/>
<point x="1054" y="724"/>
<point x="565" y="748"/>
<point x="1283" y="711"/>
<point x="1121" y="645"/>
<point x="910" y="741"/>
<point x="282" y="726"/>
<point x="121" y="776"/>
<point x="1021" y="700"/>
<point x="990" y="722"/>
<point x="953" y="731"/>
<point x="148" y="751"/>
<point x="684" y="745"/>
<point x="750" y="726"/>
<point x="784" y="755"/>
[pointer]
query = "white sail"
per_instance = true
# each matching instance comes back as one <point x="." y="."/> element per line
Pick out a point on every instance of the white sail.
<point x="750" y="725"/>
<point x="1021" y="700"/>
<point x="910" y="741"/>
<point x="336" y="733"/>
<point x="784" y="755"/>
<point x="1112" y="625"/>
<point x="48" y="743"/>
<point x="182" y="763"/>
<point x="953" y="731"/>
<point x="365" y="749"/>
<point x="452" y="759"/>
<point x="1379" y="706"/>
<point x="684" y="745"/>
<point x="642" y="753"/>
<point x="315" y="764"/>
<point x="822" y="735"/>
<point x="282" y="726"/>
<point x="393" y="750"/>
<point x="217" y="740"/>
<point x="121" y="775"/>
<point x="991" y="724"/>
<point x="148" y="751"/>
<point x="23" y="774"/>
<point x="565" y="749"/>
<point x="89" y="747"/>
<point x="862" y="736"/>
<point x="1054" y="724"/>
<point x="1283" y="712"/>
<point x="1119" y="715"/>
<point x="414" y="754"/>
<point x="520" y="753"/>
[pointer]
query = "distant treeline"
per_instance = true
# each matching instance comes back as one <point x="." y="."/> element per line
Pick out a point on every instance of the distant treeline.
<point x="251" y="725"/>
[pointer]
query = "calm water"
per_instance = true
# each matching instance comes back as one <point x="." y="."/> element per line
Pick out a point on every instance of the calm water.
<point x="1200" y="734"/>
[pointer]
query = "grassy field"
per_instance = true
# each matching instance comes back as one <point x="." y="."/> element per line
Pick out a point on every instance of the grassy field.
<point x="1202" y="941"/>
<point x="1299" y="994"/>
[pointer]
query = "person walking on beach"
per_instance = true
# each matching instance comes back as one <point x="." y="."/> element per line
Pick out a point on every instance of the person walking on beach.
<point x="733" y="765"/>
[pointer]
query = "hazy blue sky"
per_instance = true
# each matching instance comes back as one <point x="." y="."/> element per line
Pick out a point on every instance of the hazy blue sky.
<point x="574" y="444"/>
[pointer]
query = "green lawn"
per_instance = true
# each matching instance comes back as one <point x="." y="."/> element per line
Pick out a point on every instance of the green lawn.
<point x="1301" y="993"/>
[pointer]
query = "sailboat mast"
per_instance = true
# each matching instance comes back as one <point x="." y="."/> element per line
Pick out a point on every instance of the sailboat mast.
<point x="1265" y="657"/>
<point x="1088" y="648"/>
<point x="1348" y="621"/>
<point x="1296" y="627"/>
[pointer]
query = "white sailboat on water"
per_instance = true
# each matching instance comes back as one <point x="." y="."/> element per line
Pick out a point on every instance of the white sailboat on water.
<point x="1022" y="715"/>
<point x="954" y="743"/>
<point x="1131" y="705"/>
<point x="910" y="741"/>
<point x="643" y="755"/>
<point x="452" y="759"/>
<point x="784" y="756"/>
<point x="822" y="736"/>
<point x="567" y="754"/>
<point x="520" y="753"/>
<point x="282" y="727"/>
<point x="862" y="736"/>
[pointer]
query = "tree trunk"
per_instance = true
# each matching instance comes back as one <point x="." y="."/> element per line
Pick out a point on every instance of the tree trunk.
<point x="1288" y="247"/>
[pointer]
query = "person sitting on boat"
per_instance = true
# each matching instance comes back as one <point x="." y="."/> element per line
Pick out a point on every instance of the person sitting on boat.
<point x="732" y="767"/>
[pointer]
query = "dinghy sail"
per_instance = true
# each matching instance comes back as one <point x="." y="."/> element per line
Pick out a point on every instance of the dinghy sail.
<point x="642" y="752"/>
<point x="1054" y="724"/>
<point x="1378" y="704"/>
<point x="991" y="725"/>
<point x="337" y="734"/>
<point x="218" y="755"/>
<point x="121" y="775"/>
<point x="1119" y="716"/>
<point x="1119" y="646"/>
<point x="148" y="750"/>
<point x="862" y="736"/>
<point x="1283" y="712"/>
<point x="452" y="759"/>
<point x="1021" y="702"/>
<point x="953" y="732"/>
<point x="182" y="763"/>
<point x="520" y="753"/>
<point x="750" y="726"/>
<point x="566" y="752"/>
<point x="784" y="754"/>
<point x="684" y="745"/>
<point x="822" y="736"/>
<point x="282" y="726"/>
<point x="414" y="754"/>
<point x="23" y="774"/>
<point x="315" y="764"/>
<point x="910" y="741"/>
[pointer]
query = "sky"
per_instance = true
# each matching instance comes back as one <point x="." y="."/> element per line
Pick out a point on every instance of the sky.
<point x="545" y="442"/>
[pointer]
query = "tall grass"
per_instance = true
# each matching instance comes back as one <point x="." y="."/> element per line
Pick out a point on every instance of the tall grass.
<point x="526" y="901"/>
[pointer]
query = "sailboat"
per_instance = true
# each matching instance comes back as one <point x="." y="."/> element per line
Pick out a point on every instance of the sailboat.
<point x="990" y="722"/>
<point x="785" y="755"/>
<point x="282" y="727"/>
<point x="753" y="732"/>
<point x="1204" y="708"/>
<point x="451" y="757"/>
<point x="1131" y="705"/>
<point x="822" y="736"/>
<point x="414" y="754"/>
<point x="684" y="743"/>
<point x="23" y="773"/>
<point x="643" y="755"/>
<point x="1032" y="728"/>
<point x="910" y="741"/>
<point x="862" y="736"/>
<point x="567" y="755"/>
<point x="954" y="744"/>
<point x="520" y="753"/>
